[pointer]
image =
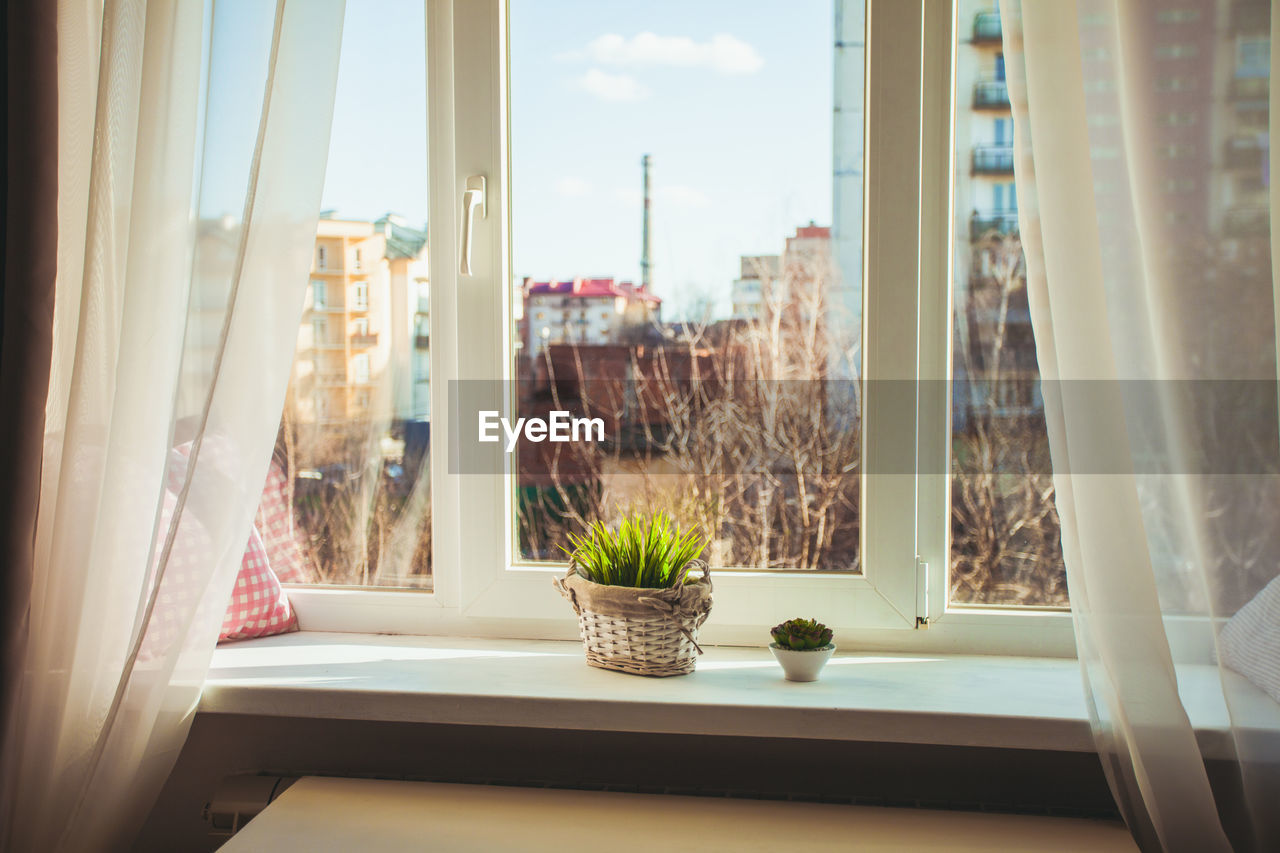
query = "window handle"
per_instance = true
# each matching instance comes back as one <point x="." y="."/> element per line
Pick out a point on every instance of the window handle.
<point x="473" y="199"/>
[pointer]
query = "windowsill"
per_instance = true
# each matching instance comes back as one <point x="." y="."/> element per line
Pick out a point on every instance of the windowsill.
<point x="950" y="700"/>
<point x="1032" y="703"/>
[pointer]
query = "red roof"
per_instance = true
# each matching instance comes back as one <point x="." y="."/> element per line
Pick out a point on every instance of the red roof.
<point x="814" y="231"/>
<point x="591" y="287"/>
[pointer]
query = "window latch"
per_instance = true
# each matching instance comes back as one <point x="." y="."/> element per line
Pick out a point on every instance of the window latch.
<point x="922" y="593"/>
<point x="473" y="201"/>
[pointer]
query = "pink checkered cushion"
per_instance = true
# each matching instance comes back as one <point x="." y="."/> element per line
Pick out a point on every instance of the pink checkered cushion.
<point x="258" y="605"/>
<point x="275" y="524"/>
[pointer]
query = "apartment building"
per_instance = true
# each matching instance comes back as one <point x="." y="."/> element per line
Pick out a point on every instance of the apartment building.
<point x="771" y="283"/>
<point x="1240" y="147"/>
<point x="747" y="292"/>
<point x="586" y="311"/>
<point x="364" y="340"/>
<point x="993" y="345"/>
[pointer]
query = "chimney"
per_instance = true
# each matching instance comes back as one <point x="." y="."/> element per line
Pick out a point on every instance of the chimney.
<point x="645" y="263"/>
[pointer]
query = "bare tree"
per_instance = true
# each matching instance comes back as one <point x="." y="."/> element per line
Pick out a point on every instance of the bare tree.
<point x="726" y="427"/>
<point x="1004" y="526"/>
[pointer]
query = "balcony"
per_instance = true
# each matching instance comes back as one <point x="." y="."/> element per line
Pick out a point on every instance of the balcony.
<point x="1250" y="88"/>
<point x="991" y="95"/>
<point x="1247" y="221"/>
<point x="331" y="380"/>
<point x="324" y="343"/>
<point x="988" y="222"/>
<point x="992" y="160"/>
<point x="364" y="340"/>
<point x="986" y="28"/>
<point x="1244" y="152"/>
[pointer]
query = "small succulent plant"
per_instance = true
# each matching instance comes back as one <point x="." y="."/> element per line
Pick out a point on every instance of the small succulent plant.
<point x="801" y="634"/>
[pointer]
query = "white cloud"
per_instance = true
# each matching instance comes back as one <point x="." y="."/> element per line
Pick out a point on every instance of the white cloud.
<point x="573" y="187"/>
<point x="613" y="87"/>
<point x="722" y="53"/>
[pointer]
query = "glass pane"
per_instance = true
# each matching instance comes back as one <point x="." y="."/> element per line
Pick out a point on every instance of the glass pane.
<point x="1005" y="547"/>
<point x="687" y="255"/>
<point x="355" y="435"/>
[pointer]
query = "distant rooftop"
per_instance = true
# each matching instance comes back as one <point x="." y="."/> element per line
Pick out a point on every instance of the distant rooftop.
<point x="812" y="231"/>
<point x="403" y="241"/>
<point x="591" y="287"/>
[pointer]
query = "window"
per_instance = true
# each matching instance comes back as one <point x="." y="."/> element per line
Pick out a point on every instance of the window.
<point x="1177" y="16"/>
<point x="1180" y="118"/>
<point x="356" y="425"/>
<point x="1176" y="50"/>
<point x="1004" y="131"/>
<point x="671" y="436"/>
<point x="1253" y="56"/>
<point x="1176" y="84"/>
<point x="1174" y="151"/>
<point x="990" y="532"/>
<point x="360" y="368"/>
<point x="883" y="558"/>
<point x="1004" y="197"/>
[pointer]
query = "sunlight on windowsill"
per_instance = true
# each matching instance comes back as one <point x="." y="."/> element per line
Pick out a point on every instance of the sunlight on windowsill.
<point x="944" y="699"/>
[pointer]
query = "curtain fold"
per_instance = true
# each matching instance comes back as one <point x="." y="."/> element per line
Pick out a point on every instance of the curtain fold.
<point x="30" y="253"/>
<point x="1143" y="180"/>
<point x="192" y="147"/>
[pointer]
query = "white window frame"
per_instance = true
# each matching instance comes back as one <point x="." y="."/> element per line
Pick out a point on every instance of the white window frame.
<point x="480" y="590"/>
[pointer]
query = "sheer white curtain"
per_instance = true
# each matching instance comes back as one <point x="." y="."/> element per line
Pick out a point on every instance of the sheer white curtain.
<point x="192" y="146"/>
<point x="1144" y="190"/>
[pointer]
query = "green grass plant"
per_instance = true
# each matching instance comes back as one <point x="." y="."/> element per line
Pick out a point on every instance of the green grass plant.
<point x="645" y="552"/>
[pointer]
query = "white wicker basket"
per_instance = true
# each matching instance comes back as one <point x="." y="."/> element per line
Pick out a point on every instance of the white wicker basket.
<point x="639" y="631"/>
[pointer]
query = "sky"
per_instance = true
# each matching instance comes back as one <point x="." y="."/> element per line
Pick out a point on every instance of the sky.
<point x="732" y="100"/>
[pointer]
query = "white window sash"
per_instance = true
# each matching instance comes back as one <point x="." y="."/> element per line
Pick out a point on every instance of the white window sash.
<point x="480" y="589"/>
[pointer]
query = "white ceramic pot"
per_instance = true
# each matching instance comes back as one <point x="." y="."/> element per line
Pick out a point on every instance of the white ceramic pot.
<point x="805" y="665"/>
